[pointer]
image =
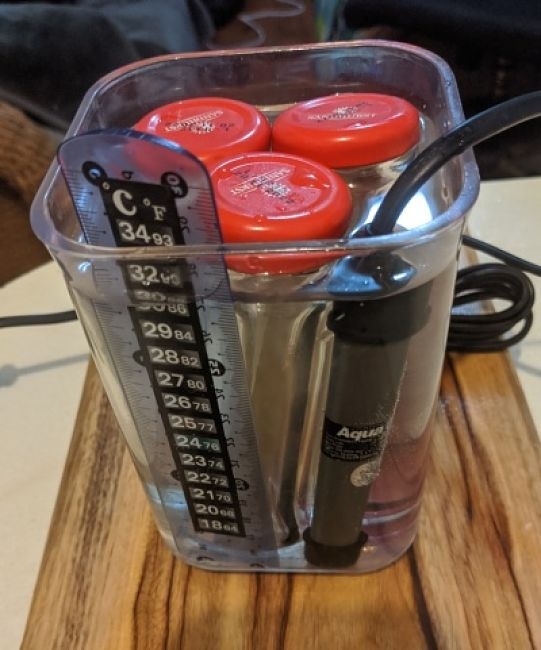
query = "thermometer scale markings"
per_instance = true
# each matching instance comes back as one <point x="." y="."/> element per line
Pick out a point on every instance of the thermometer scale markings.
<point x="174" y="334"/>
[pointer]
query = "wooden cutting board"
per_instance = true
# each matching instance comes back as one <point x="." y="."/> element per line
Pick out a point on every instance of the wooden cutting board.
<point x="471" y="580"/>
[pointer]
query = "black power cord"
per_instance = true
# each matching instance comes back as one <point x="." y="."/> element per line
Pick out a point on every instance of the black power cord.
<point x="38" y="319"/>
<point x="472" y="131"/>
<point x="492" y="330"/>
<point x="488" y="331"/>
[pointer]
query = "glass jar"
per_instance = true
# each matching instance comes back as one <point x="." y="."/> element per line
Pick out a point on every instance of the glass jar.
<point x="278" y="197"/>
<point x="211" y="128"/>
<point x="368" y="138"/>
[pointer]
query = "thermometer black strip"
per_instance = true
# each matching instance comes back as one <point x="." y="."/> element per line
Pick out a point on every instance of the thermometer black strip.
<point x="192" y="422"/>
<point x="180" y="324"/>
<point x="181" y="347"/>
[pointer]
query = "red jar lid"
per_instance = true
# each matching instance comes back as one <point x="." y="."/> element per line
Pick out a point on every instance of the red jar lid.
<point x="273" y="197"/>
<point x="211" y="128"/>
<point x="348" y="130"/>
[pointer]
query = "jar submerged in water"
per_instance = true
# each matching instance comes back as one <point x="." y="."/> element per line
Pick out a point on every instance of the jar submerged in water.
<point x="368" y="138"/>
<point x="211" y="128"/>
<point x="271" y="197"/>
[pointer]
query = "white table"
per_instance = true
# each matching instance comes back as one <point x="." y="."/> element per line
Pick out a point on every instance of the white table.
<point x="42" y="372"/>
<point x="508" y="215"/>
<point x="41" y="375"/>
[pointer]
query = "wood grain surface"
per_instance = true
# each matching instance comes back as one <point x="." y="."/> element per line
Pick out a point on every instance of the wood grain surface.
<point x="471" y="580"/>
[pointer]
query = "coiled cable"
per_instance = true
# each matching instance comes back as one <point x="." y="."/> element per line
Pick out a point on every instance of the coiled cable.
<point x="487" y="331"/>
<point x="490" y="330"/>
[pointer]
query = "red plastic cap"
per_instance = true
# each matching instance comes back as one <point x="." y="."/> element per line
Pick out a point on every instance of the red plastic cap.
<point x="270" y="197"/>
<point x="212" y="128"/>
<point x="348" y="130"/>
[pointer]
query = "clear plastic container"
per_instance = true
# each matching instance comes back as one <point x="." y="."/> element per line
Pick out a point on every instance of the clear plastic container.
<point x="419" y="259"/>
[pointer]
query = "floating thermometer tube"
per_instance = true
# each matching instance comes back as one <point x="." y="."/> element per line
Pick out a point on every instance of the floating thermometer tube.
<point x="369" y="354"/>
